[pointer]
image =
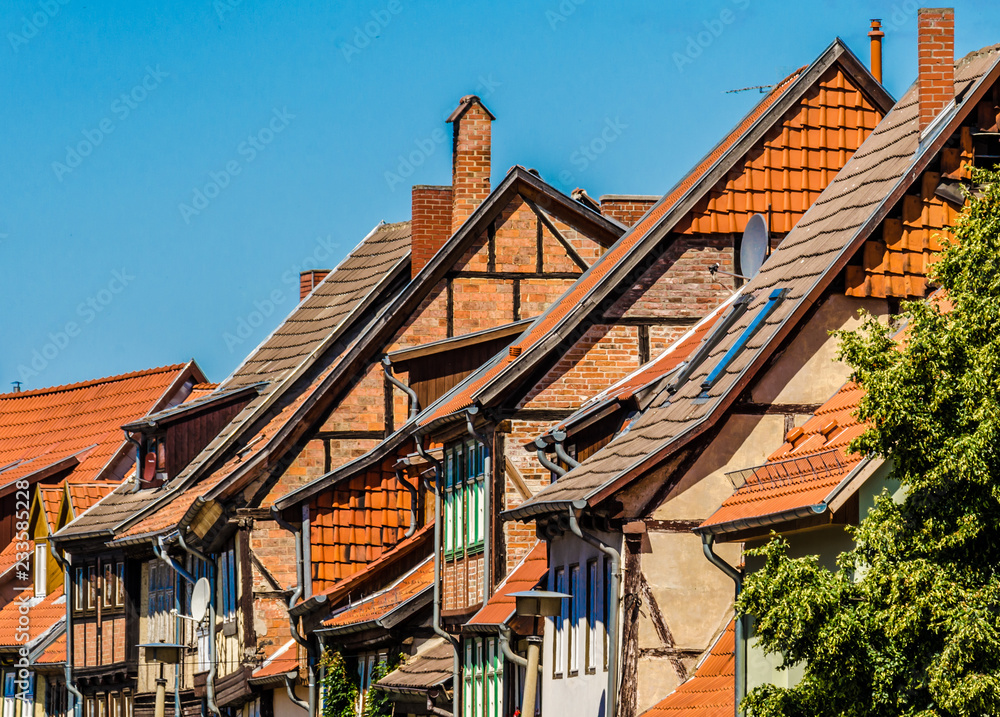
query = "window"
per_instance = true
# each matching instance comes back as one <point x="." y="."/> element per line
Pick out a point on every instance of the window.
<point x="92" y="587"/>
<point x="227" y="567"/>
<point x="79" y="593"/>
<point x="41" y="570"/>
<point x="366" y="669"/>
<point x="483" y="676"/>
<point x="594" y="611"/>
<point x="559" y="634"/>
<point x="9" y="694"/>
<point x="606" y="604"/>
<point x="573" y="633"/>
<point x="102" y="705"/>
<point x="89" y="706"/>
<point x="109" y="585"/>
<point x="160" y="600"/>
<point x="120" y="585"/>
<point x="464" y="491"/>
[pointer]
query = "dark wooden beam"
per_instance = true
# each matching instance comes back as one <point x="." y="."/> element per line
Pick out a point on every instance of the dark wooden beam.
<point x="760" y="409"/>
<point x="570" y="249"/>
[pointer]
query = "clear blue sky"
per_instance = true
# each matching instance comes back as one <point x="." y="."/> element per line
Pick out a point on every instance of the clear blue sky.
<point x="104" y="272"/>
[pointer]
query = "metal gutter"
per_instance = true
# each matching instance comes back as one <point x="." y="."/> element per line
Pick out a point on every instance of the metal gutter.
<point x="76" y="697"/>
<point x="739" y="650"/>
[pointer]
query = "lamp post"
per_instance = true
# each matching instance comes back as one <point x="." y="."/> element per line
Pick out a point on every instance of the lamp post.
<point x="535" y="603"/>
<point x="165" y="653"/>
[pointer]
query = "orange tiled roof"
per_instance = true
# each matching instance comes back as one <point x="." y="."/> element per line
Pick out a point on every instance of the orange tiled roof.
<point x="805" y="469"/>
<point x="767" y="174"/>
<point x="54" y="654"/>
<point x="711" y="691"/>
<point x="44" y="614"/>
<point x="526" y="576"/>
<point x="84" y="495"/>
<point x="382" y="603"/>
<point x="51" y="498"/>
<point x="40" y="428"/>
<point x="8" y="556"/>
<point x="282" y="660"/>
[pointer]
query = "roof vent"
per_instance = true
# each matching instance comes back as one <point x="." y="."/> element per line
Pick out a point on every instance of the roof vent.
<point x="514" y="351"/>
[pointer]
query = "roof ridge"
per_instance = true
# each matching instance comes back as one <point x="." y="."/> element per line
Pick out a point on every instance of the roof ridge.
<point x="92" y="382"/>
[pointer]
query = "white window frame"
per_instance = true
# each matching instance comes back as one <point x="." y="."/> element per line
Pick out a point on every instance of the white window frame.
<point x="559" y="624"/>
<point x="594" y="612"/>
<point x="41" y="570"/>
<point x="573" y="633"/>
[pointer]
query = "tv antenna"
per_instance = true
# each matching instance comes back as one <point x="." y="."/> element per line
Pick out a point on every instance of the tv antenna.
<point x="762" y="89"/>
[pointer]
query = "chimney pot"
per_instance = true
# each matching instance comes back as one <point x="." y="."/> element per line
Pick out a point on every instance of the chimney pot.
<point x="936" y="62"/>
<point x="876" y="36"/>
<point x="309" y="280"/>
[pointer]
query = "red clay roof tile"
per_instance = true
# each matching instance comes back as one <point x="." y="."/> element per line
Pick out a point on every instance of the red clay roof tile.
<point x="526" y="576"/>
<point x="382" y="603"/>
<point x="43" y="614"/>
<point x="711" y="691"/>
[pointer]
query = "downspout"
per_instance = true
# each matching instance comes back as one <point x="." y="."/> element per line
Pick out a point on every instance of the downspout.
<point x="544" y="459"/>
<point x="414" y="406"/>
<point x="179" y="570"/>
<point x="412" y="528"/>
<point x="613" y="599"/>
<point x="139" y="460"/>
<point x="507" y="652"/>
<point x="432" y="708"/>
<point x="436" y="619"/>
<point x="739" y="653"/>
<point x="487" y="502"/>
<point x="76" y="703"/>
<point x="292" y="622"/>
<point x="213" y="707"/>
<point x="566" y="458"/>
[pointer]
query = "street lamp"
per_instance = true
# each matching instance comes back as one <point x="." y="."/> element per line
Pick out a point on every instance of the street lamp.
<point x="166" y="653"/>
<point x="535" y="603"/>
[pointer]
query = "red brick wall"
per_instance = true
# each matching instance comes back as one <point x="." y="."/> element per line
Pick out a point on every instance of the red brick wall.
<point x="430" y="224"/>
<point x="471" y="159"/>
<point x="462" y="582"/>
<point x="627" y="209"/>
<point x="936" y="61"/>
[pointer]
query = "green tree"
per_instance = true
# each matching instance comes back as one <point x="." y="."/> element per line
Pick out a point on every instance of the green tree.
<point x="340" y="688"/>
<point x="910" y="624"/>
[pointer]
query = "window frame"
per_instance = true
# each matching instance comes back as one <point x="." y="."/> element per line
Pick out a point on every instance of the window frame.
<point x="573" y="633"/>
<point x="593" y="600"/>
<point x="559" y="624"/>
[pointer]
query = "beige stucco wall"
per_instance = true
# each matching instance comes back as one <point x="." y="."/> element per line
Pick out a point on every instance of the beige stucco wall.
<point x="807" y="371"/>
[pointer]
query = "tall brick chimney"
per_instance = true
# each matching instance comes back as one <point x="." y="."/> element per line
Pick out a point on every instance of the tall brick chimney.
<point x="470" y="160"/>
<point x="936" y="49"/>
<point x="430" y="224"/>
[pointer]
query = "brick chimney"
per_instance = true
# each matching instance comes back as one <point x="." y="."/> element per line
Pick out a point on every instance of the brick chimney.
<point x="936" y="50"/>
<point x="309" y="280"/>
<point x="430" y="224"/>
<point x="470" y="160"/>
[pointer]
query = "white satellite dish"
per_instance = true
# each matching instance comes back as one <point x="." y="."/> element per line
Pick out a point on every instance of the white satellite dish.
<point x="199" y="599"/>
<point x="753" y="248"/>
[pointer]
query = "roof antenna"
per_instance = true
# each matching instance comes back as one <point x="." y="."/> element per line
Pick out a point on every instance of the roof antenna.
<point x="16" y="385"/>
<point x="762" y="89"/>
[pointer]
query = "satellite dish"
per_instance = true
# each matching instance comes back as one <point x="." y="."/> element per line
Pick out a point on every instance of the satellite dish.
<point x="753" y="248"/>
<point x="199" y="599"/>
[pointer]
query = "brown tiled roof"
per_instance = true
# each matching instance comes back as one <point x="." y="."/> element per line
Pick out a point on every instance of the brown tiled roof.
<point x="804" y="265"/>
<point x="711" y="691"/>
<point x="526" y="576"/>
<point x="431" y="667"/>
<point x="375" y="607"/>
<point x="727" y="210"/>
<point x="801" y="474"/>
<point x="79" y="424"/>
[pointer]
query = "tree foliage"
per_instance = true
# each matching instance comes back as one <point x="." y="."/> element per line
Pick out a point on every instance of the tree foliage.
<point x="341" y="688"/>
<point x="910" y="623"/>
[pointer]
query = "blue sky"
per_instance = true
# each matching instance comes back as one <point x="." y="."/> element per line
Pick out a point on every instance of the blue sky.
<point x="118" y="113"/>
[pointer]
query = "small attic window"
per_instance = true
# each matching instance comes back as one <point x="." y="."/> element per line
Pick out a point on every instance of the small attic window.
<point x="772" y="302"/>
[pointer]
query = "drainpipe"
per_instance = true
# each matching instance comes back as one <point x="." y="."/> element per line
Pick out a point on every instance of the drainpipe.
<point x="739" y="653"/>
<point x="179" y="570"/>
<point x="387" y="368"/>
<point x="432" y="708"/>
<point x="412" y="528"/>
<point x="566" y="458"/>
<point x="436" y="619"/>
<point x="293" y="623"/>
<point x="213" y="707"/>
<point x="544" y="460"/>
<point x="616" y="561"/>
<point x="507" y="652"/>
<point x="487" y="502"/>
<point x="76" y="697"/>
<point x="139" y="456"/>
